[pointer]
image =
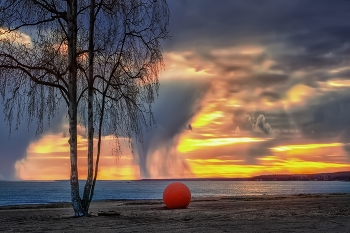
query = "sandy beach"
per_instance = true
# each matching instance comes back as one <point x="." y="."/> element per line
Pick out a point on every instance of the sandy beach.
<point x="289" y="213"/>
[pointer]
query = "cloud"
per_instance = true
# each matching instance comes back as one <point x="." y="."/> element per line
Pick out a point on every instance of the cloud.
<point x="234" y="21"/>
<point x="262" y="149"/>
<point x="327" y="119"/>
<point x="14" y="147"/>
<point x="260" y="124"/>
<point x="276" y="61"/>
<point x="272" y="96"/>
<point x="237" y="131"/>
<point x="283" y="63"/>
<point x="281" y="59"/>
<point x="17" y="36"/>
<point x="267" y="50"/>
<point x="179" y="101"/>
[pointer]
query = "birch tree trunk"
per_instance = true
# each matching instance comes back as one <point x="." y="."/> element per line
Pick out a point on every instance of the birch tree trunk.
<point x="72" y="108"/>
<point x="123" y="37"/>
<point x="89" y="183"/>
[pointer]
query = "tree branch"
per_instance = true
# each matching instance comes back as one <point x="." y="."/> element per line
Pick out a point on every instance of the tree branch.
<point x="34" y="79"/>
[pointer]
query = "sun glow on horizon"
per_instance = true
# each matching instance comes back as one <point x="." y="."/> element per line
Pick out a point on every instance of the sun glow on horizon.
<point x="44" y="163"/>
<point x="48" y="159"/>
<point x="233" y="169"/>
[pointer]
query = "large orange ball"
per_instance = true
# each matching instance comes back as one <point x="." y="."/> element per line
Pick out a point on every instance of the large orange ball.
<point x="176" y="196"/>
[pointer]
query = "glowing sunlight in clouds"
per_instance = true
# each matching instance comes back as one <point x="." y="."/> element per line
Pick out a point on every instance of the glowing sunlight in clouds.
<point x="48" y="159"/>
<point x="215" y="146"/>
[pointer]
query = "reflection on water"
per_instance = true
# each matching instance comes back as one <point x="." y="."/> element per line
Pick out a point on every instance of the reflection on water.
<point x="24" y="192"/>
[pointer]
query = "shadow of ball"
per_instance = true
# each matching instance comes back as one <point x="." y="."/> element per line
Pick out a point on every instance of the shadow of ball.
<point x="176" y="196"/>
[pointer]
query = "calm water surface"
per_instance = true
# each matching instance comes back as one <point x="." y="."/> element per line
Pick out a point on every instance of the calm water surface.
<point x="24" y="192"/>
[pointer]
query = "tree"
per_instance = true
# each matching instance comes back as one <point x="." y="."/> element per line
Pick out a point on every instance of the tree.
<point x="101" y="58"/>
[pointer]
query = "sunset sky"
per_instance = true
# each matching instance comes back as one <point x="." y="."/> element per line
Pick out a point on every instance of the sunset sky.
<point x="264" y="84"/>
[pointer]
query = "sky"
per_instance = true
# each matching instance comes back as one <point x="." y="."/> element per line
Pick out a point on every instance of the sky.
<point x="249" y="88"/>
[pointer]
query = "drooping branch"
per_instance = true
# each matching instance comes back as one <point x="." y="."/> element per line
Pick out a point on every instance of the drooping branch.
<point x="26" y="69"/>
<point x="51" y="8"/>
<point x="32" y="24"/>
<point x="104" y="56"/>
<point x="34" y="78"/>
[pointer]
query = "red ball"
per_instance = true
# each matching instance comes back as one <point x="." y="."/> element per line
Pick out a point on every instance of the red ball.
<point x="176" y="196"/>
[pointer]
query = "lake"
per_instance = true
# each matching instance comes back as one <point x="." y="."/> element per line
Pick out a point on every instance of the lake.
<point x="35" y="192"/>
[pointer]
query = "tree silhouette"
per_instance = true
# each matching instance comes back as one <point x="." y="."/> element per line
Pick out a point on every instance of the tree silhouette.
<point x="101" y="58"/>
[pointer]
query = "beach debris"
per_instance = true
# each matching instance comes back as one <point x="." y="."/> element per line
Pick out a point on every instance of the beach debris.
<point x="109" y="213"/>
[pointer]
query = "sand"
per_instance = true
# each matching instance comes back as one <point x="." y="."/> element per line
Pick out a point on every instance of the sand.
<point x="290" y="213"/>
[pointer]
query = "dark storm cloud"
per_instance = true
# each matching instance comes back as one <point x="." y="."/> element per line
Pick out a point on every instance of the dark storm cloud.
<point x="312" y="36"/>
<point x="12" y="149"/>
<point x="178" y="102"/>
<point x="299" y="35"/>
<point x="284" y="130"/>
<point x="328" y="119"/>
<point x="14" y="146"/>
<point x="275" y="127"/>
<point x="257" y="125"/>
<point x="261" y="149"/>
<point x="307" y="36"/>
<point x="261" y="80"/>
<point x="279" y="120"/>
<point x="236" y="21"/>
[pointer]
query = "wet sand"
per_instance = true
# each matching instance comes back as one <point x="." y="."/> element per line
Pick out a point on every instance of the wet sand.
<point x="289" y="213"/>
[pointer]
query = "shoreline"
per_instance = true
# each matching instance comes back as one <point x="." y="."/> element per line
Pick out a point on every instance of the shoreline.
<point x="65" y="204"/>
<point x="53" y="205"/>
<point x="258" y="213"/>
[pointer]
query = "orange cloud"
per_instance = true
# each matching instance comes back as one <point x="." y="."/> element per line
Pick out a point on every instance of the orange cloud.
<point x="306" y="146"/>
<point x="188" y="144"/>
<point x="215" y="147"/>
<point x="48" y="159"/>
<point x="15" y="36"/>
<point x="266" y="165"/>
<point x="211" y="152"/>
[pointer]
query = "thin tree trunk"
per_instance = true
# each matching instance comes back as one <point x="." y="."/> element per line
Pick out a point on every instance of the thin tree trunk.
<point x="89" y="183"/>
<point x="98" y="146"/>
<point x="103" y="101"/>
<point x="72" y="108"/>
<point x="74" y="178"/>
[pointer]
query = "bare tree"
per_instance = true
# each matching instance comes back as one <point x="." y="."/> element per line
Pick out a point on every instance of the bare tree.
<point x="102" y="57"/>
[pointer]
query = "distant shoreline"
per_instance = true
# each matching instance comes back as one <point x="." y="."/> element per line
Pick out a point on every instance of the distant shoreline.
<point x="53" y="205"/>
<point x="325" y="176"/>
<point x="333" y="176"/>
